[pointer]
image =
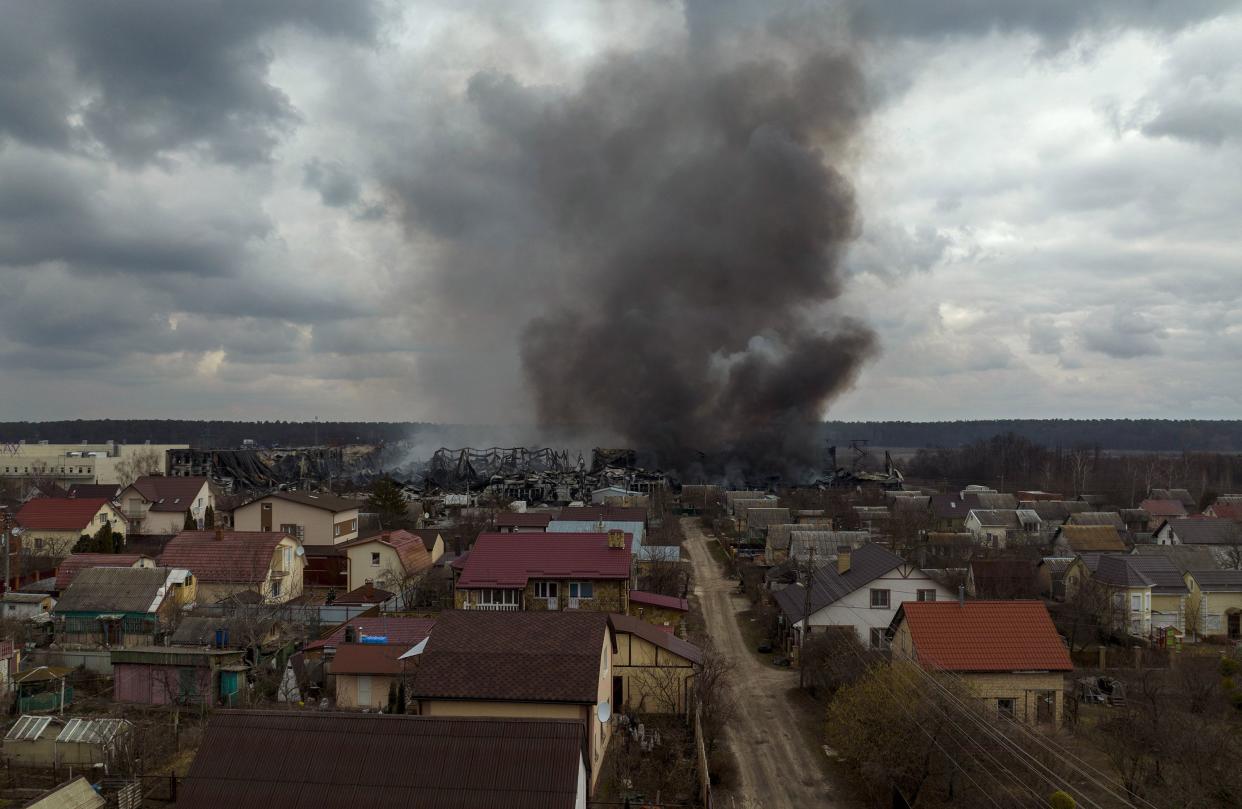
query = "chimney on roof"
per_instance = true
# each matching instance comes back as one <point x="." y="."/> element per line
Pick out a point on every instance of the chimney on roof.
<point x="961" y="595"/>
<point x="350" y="635"/>
<point x="843" y="559"/>
<point x="616" y="538"/>
<point x="219" y="533"/>
<point x="370" y="591"/>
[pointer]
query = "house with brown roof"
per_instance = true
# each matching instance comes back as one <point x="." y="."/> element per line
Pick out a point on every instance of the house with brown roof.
<point x="390" y="559"/>
<point x="655" y="608"/>
<point x="1007" y="653"/>
<point x="523" y="522"/>
<point x="315" y="519"/>
<point x="1003" y="578"/>
<point x="51" y="526"/>
<point x="75" y="563"/>
<point x="534" y="665"/>
<point x="120" y="606"/>
<point x="1072" y="540"/>
<point x="1228" y="510"/>
<point x="155" y="504"/>
<point x="1163" y="509"/>
<point x="548" y="571"/>
<point x="251" y="759"/>
<point x="230" y="563"/>
<point x="653" y="669"/>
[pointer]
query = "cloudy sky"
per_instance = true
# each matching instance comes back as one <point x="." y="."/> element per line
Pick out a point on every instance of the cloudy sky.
<point x="280" y="209"/>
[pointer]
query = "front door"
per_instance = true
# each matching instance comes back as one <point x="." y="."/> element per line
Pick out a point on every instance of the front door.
<point x="1045" y="707"/>
<point x="618" y="693"/>
<point x="364" y="690"/>
<point x="1235" y="625"/>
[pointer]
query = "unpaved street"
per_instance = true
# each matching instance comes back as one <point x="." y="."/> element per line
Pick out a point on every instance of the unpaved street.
<point x="777" y="768"/>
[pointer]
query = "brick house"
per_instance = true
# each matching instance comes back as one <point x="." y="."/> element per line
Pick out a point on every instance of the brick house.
<point x="1008" y="653"/>
<point x="546" y="571"/>
<point x="661" y="610"/>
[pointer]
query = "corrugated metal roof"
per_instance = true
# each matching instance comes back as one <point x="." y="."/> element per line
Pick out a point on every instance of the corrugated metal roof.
<point x="28" y="728"/>
<point x="260" y="760"/>
<point x="510" y="560"/>
<point x="115" y="589"/>
<point x="75" y="563"/>
<point x="866" y="565"/>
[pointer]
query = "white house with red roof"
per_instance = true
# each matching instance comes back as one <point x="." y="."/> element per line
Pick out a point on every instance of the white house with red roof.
<point x="546" y="571"/>
<point x="155" y="504"/>
<point x="50" y="526"/>
<point x="1008" y="653"/>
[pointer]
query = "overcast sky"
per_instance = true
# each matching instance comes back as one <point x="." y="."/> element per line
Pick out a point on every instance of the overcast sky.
<point x="222" y="209"/>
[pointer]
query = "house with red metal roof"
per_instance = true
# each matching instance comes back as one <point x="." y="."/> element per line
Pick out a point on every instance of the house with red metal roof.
<point x="1008" y="653"/>
<point x="51" y="526"/>
<point x="229" y="563"/>
<point x="546" y="571"/>
<point x="155" y="504"/>
<point x="514" y="522"/>
<point x="665" y="611"/>
<point x="390" y="559"/>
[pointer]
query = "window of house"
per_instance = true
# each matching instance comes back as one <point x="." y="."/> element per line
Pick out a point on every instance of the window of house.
<point x="1147" y="600"/>
<point x="879" y="599"/>
<point x="1136" y="602"/>
<point x="546" y="589"/>
<point x="504" y="597"/>
<point x="581" y="589"/>
<point x="1004" y="708"/>
<point x="926" y="595"/>
<point x="879" y="638"/>
<point x="375" y="559"/>
<point x="293" y="530"/>
<point x="275" y="588"/>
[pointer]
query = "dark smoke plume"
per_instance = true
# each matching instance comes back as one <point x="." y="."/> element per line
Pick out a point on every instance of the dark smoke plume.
<point x="667" y="237"/>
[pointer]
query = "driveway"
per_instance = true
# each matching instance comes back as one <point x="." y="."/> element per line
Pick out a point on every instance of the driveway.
<point x="777" y="769"/>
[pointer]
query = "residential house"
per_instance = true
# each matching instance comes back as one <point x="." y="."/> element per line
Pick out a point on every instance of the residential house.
<point x="533" y="665"/>
<point x="1228" y="510"/>
<point x="315" y="519"/>
<point x="51" y="526"/>
<point x="1137" y="520"/>
<point x="522" y="522"/>
<point x="1147" y="593"/>
<point x="155" y="504"/>
<point x="998" y="528"/>
<point x="1112" y="518"/>
<point x="178" y="675"/>
<point x="653" y="670"/>
<point x="813" y="516"/>
<point x="1079" y="573"/>
<point x="1161" y="510"/>
<point x="824" y="544"/>
<point x="397" y="630"/>
<point x="1002" y="578"/>
<point x="121" y="606"/>
<point x="367" y="674"/>
<point x="946" y="549"/>
<point x="390" y="559"/>
<point x="821" y="535"/>
<point x="1008" y="653"/>
<point x="10" y="663"/>
<point x="1182" y="496"/>
<point x="336" y="760"/>
<point x="228" y="563"/>
<point x="368" y="595"/>
<point x="49" y="742"/>
<point x="1050" y="576"/>
<point x="75" y="563"/>
<point x="17" y="606"/>
<point x="949" y="511"/>
<point x="863" y="590"/>
<point x="548" y="571"/>
<point x="599" y="519"/>
<point x="758" y="520"/>
<point x="1183" y="557"/>
<point x="1215" y="603"/>
<point x="1212" y="531"/>
<point x="1072" y="540"/>
<point x="996" y="501"/>
<point x="433" y="541"/>
<point x="668" y="612"/>
<point x="1056" y="512"/>
<point x="732" y="498"/>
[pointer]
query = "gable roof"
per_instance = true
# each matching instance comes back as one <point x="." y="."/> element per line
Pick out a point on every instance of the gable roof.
<point x="324" y="500"/>
<point x="999" y="501"/>
<point x="984" y="636"/>
<point x="106" y="490"/>
<point x="1206" y="531"/>
<point x="1098" y="518"/>
<point x="233" y="557"/>
<point x="1163" y="574"/>
<point x="1183" y="557"/>
<point x="410" y="549"/>
<point x="867" y="564"/>
<point x="115" y="589"/>
<point x="513" y="656"/>
<point x="825" y="543"/>
<point x="1163" y="508"/>
<point x="75" y="563"/>
<point x="510" y="560"/>
<point x="953" y="505"/>
<point x="529" y="519"/>
<point x="1228" y="511"/>
<point x="1091" y="538"/>
<point x="1183" y="496"/>
<point x="400" y="630"/>
<point x="257" y="759"/>
<point x="368" y="658"/>
<point x="657" y="636"/>
<point x="59" y="513"/>
<point x="1005" y="518"/>
<point x="174" y="494"/>
<point x="364" y="594"/>
<point x="606" y="513"/>
<point x="1218" y="581"/>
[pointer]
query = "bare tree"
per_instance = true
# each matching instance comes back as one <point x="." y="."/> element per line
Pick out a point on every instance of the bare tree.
<point x="136" y="464"/>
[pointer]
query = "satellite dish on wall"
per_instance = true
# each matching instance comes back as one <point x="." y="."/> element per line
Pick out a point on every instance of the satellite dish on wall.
<point x="603" y="710"/>
<point x="300" y="551"/>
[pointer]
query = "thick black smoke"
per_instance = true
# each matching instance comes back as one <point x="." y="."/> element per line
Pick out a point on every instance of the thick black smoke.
<point x="667" y="239"/>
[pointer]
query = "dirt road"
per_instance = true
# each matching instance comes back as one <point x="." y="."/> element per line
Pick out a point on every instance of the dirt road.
<point x="777" y="768"/>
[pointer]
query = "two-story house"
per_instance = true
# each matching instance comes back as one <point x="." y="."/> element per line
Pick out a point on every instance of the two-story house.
<point x="51" y="526"/>
<point x="534" y="665"/>
<point x="863" y="590"/>
<point x="1008" y="653"/>
<point x="390" y="559"/>
<point x="548" y="571"/>
<point x="1145" y="593"/>
<point x="1215" y="603"/>
<point x="230" y="563"/>
<point x="315" y="519"/>
<point x="998" y="528"/>
<point x="155" y="504"/>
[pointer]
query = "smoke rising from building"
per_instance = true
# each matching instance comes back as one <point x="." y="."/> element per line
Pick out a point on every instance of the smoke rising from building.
<point x="663" y="238"/>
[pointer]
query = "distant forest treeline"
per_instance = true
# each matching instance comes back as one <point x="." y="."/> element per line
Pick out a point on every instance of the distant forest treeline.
<point x="1140" y="435"/>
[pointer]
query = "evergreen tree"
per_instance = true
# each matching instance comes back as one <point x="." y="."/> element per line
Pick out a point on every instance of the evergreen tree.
<point x="209" y="518"/>
<point x="392" y="697"/>
<point x="388" y="502"/>
<point x="191" y="524"/>
<point x="85" y="544"/>
<point x="401" y="697"/>
<point x="105" y="541"/>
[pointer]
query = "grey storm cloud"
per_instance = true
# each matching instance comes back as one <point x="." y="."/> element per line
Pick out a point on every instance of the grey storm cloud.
<point x="1124" y="335"/>
<point x="337" y="186"/>
<point x="145" y="77"/>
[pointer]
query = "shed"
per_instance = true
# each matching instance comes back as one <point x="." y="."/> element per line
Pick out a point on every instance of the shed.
<point x="47" y="741"/>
